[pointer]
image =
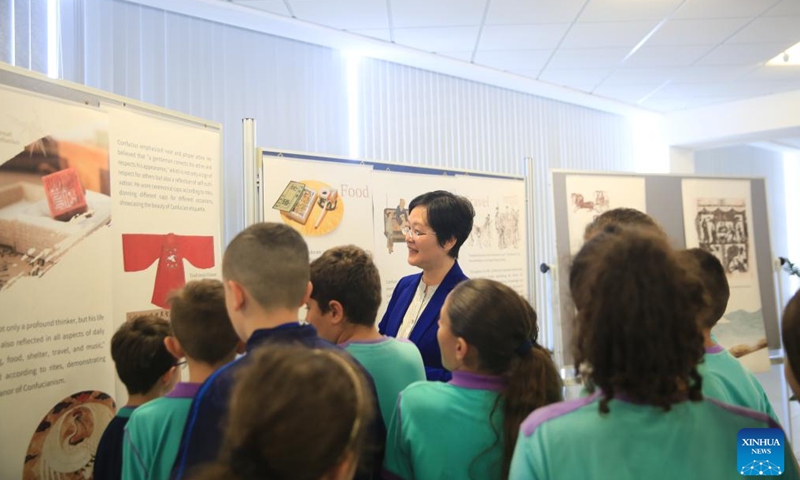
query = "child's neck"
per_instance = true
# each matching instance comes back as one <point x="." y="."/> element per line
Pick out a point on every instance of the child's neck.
<point x="200" y="371"/>
<point x="141" y="398"/>
<point x="262" y="319"/>
<point x="708" y="342"/>
<point x="358" y="333"/>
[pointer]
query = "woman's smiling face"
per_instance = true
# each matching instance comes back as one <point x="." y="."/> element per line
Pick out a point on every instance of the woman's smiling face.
<point x="424" y="250"/>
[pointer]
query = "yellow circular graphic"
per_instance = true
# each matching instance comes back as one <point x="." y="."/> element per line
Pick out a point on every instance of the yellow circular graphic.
<point x="318" y="211"/>
<point x="64" y="444"/>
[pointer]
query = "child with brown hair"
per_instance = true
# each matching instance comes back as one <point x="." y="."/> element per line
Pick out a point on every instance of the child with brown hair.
<point x="315" y="430"/>
<point x="148" y="370"/>
<point x="201" y="332"/>
<point x="638" y="344"/>
<point x="724" y="377"/>
<point x="343" y="307"/>
<point x="467" y="428"/>
<point x="265" y="272"/>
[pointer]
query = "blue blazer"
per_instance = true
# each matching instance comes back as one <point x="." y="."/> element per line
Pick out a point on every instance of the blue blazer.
<point x="424" y="333"/>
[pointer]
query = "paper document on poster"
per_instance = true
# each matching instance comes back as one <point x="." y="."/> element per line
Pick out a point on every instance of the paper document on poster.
<point x="496" y="247"/>
<point x="589" y="196"/>
<point x="329" y="203"/>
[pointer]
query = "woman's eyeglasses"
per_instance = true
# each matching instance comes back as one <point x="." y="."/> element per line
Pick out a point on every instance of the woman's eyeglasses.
<point x="414" y="233"/>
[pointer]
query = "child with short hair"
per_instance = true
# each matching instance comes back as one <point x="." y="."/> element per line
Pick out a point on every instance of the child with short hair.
<point x="317" y="429"/>
<point x="621" y="217"/>
<point x="343" y="308"/>
<point x="265" y="272"/>
<point x="201" y="332"/>
<point x="467" y="428"/>
<point x="638" y="344"/>
<point x="148" y="371"/>
<point x="724" y="377"/>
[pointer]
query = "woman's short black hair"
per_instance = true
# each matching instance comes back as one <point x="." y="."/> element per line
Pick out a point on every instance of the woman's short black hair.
<point x="449" y="215"/>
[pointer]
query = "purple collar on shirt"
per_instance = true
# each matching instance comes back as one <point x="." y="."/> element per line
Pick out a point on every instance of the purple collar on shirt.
<point x="477" y="381"/>
<point x="184" y="390"/>
<point x="384" y="338"/>
<point x="717" y="348"/>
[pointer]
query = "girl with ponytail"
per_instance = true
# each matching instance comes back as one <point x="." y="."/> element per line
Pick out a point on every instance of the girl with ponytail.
<point x="467" y="428"/>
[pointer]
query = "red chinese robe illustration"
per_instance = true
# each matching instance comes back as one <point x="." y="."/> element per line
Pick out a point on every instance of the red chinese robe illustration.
<point x="139" y="251"/>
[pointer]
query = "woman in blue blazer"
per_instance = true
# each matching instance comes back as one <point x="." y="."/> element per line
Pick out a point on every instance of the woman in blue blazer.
<point x="438" y="224"/>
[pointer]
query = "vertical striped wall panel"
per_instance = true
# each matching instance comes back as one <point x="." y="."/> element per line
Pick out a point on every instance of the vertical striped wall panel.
<point x="23" y="33"/>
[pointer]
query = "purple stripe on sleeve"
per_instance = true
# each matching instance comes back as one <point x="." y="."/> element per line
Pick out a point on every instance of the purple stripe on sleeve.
<point x="478" y="382"/>
<point x="184" y="390"/>
<point x="745" y="412"/>
<point x="543" y="414"/>
<point x="717" y="348"/>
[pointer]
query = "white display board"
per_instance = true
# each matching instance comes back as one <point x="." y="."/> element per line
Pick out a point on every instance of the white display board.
<point x="718" y="217"/>
<point x="75" y="178"/>
<point x="496" y="248"/>
<point x="726" y="216"/>
<point x="372" y="196"/>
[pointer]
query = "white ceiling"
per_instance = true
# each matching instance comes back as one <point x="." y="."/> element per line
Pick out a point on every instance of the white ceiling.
<point x="661" y="55"/>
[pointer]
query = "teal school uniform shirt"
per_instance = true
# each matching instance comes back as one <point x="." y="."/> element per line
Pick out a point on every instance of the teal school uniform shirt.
<point x="394" y="365"/>
<point x="694" y="440"/>
<point x="153" y="434"/>
<point x="726" y="380"/>
<point x="442" y="430"/>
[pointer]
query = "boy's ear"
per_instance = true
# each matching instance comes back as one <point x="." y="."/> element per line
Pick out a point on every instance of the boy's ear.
<point x="174" y="347"/>
<point x="234" y="295"/>
<point x="336" y="312"/>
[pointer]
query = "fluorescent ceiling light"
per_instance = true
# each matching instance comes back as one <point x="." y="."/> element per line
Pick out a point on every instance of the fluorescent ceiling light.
<point x="788" y="57"/>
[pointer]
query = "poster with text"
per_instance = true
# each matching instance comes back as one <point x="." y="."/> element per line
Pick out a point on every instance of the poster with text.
<point x="393" y="192"/>
<point x="167" y="203"/>
<point x="496" y="248"/>
<point x="588" y="196"/>
<point x="718" y="218"/>
<point x="56" y="375"/>
<point x="329" y="203"/>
